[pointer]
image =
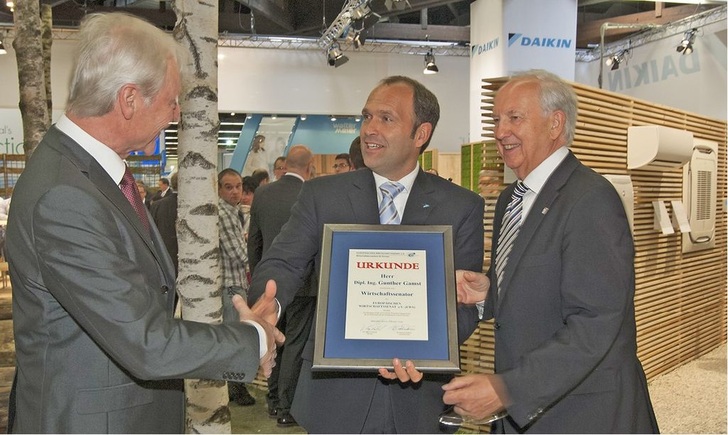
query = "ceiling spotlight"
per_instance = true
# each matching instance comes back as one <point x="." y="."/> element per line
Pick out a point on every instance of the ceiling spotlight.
<point x="303" y="117"/>
<point x="686" y="45"/>
<point x="355" y="37"/>
<point x="333" y="118"/>
<point x="395" y="4"/>
<point x="360" y="12"/>
<point x="358" y="40"/>
<point x="335" y="56"/>
<point x="616" y="59"/>
<point x="430" y="67"/>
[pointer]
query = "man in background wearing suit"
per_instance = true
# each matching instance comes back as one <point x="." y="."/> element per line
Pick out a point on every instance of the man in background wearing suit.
<point x="561" y="286"/>
<point x="163" y="191"/>
<point x="164" y="213"/>
<point x="398" y="120"/>
<point x="270" y="211"/>
<point x="97" y="347"/>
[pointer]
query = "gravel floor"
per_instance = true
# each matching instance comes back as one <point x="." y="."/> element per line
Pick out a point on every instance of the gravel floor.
<point x="692" y="398"/>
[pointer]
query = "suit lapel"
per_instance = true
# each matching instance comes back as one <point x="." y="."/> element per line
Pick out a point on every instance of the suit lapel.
<point x="420" y="201"/>
<point x="536" y="215"/>
<point x="363" y="198"/>
<point x="101" y="180"/>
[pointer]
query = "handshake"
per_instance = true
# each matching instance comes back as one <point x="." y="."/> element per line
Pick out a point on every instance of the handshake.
<point x="265" y="313"/>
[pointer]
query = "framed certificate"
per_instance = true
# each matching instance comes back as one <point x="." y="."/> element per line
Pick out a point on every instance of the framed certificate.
<point x="386" y="291"/>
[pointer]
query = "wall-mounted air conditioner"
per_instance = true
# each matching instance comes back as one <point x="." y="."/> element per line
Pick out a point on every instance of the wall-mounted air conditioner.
<point x="700" y="194"/>
<point x="658" y="147"/>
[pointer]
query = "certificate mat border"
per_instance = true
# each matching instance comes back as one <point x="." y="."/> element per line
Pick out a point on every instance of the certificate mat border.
<point x="321" y="362"/>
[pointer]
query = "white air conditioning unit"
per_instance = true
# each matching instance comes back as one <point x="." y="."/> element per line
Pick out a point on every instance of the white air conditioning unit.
<point x="657" y="147"/>
<point x="700" y="195"/>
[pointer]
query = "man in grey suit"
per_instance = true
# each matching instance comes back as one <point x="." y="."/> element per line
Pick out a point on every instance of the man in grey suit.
<point x="97" y="347"/>
<point x="270" y="211"/>
<point x="398" y="120"/>
<point x="562" y="295"/>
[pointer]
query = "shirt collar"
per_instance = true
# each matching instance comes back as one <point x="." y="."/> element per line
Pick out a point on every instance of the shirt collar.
<point x="105" y="156"/>
<point x="293" y="174"/>
<point x="407" y="181"/>
<point x="538" y="177"/>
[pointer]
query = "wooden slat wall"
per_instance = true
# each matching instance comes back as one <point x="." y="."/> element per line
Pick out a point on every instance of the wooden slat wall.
<point x="680" y="299"/>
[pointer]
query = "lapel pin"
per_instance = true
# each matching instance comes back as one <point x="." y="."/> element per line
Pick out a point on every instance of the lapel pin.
<point x="545" y="210"/>
<point x="425" y="205"/>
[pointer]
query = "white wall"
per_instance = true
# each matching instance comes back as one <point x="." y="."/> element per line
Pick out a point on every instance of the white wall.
<point x="657" y="73"/>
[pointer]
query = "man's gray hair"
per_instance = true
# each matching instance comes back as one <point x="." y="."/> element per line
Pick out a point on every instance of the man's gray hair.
<point x="116" y="49"/>
<point x="556" y="94"/>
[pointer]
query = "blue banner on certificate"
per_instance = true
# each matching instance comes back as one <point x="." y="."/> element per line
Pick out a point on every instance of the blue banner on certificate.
<point x="386" y="291"/>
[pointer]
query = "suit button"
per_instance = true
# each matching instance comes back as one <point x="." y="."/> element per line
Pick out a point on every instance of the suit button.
<point x="496" y="325"/>
<point x="165" y="289"/>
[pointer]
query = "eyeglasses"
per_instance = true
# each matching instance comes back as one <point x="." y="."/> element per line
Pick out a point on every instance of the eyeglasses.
<point x="340" y="165"/>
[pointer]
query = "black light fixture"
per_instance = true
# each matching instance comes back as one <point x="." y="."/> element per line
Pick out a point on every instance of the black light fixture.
<point x="335" y="56"/>
<point x="430" y="67"/>
<point x="686" y="45"/>
<point x="616" y="59"/>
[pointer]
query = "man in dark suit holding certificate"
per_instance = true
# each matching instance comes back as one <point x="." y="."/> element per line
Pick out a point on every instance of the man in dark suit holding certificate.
<point x="398" y="120"/>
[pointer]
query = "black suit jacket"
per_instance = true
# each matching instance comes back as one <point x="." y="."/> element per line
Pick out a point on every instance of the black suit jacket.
<point x="270" y="210"/>
<point x="339" y="401"/>
<point x="164" y="213"/>
<point x="565" y="336"/>
<point x="97" y="347"/>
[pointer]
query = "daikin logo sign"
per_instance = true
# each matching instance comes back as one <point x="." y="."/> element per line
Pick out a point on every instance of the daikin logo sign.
<point x="484" y="48"/>
<point x="538" y="41"/>
<point x="653" y="71"/>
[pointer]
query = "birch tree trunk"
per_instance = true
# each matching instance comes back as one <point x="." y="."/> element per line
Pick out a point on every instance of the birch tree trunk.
<point x="46" y="16"/>
<point x="198" y="280"/>
<point x="31" y="76"/>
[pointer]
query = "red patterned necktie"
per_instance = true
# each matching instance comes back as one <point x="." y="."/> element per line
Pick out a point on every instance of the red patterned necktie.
<point x="129" y="189"/>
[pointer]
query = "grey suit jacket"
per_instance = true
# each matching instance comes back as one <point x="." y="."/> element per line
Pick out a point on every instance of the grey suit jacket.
<point x="339" y="401"/>
<point x="97" y="347"/>
<point x="565" y="338"/>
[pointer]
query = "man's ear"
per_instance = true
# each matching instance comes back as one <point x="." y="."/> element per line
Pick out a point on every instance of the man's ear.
<point x="558" y="124"/>
<point x="422" y="134"/>
<point x="128" y="98"/>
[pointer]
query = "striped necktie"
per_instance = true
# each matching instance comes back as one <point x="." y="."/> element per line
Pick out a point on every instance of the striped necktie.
<point x="509" y="230"/>
<point x="387" y="211"/>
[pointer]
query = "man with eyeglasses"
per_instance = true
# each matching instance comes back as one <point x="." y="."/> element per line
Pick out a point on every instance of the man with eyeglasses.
<point x="279" y="168"/>
<point x="342" y="163"/>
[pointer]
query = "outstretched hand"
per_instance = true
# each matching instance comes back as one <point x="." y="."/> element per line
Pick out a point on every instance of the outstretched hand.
<point x="406" y="373"/>
<point x="472" y="287"/>
<point x="274" y="337"/>
<point x="267" y="306"/>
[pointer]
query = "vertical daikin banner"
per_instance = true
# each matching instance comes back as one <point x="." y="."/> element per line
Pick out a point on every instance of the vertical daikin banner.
<point x="487" y="55"/>
<point x="541" y="34"/>
<point x="508" y="36"/>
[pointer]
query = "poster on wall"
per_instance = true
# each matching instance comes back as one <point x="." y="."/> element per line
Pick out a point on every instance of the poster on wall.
<point x="268" y="144"/>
